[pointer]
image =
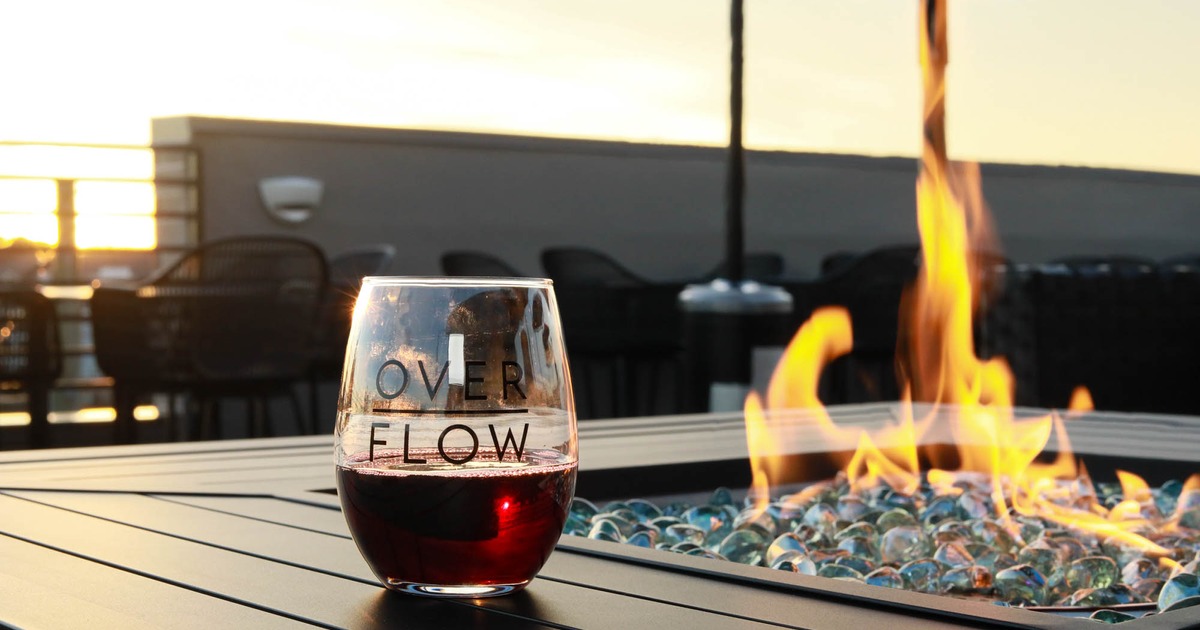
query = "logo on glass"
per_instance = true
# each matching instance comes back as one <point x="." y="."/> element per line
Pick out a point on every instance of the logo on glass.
<point x="475" y="381"/>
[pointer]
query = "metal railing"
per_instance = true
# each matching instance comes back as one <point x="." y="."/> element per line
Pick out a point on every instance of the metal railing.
<point x="67" y="271"/>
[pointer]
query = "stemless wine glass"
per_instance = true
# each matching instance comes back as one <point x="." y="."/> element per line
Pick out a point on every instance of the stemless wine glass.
<point x="455" y="436"/>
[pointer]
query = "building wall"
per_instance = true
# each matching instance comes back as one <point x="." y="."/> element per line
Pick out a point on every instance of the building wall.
<point x="657" y="208"/>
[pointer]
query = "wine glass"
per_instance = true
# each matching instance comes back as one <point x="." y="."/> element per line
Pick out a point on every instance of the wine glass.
<point x="455" y="438"/>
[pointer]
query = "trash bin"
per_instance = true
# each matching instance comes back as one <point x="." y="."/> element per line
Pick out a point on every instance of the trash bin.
<point x="723" y="323"/>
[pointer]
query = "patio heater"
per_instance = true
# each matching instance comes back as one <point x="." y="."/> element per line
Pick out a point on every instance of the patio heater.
<point x="726" y="319"/>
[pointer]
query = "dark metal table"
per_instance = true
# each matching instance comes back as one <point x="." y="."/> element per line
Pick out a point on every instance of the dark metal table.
<point x="247" y="534"/>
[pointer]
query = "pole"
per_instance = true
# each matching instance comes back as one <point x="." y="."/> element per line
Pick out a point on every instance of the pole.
<point x="735" y="183"/>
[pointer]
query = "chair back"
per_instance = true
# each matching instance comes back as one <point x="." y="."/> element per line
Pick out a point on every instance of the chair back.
<point x="468" y="263"/>
<point x="29" y="344"/>
<point x="234" y="310"/>
<point x="346" y="272"/>
<point x="579" y="266"/>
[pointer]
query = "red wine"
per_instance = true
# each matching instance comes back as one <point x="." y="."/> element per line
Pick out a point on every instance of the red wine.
<point x="454" y="526"/>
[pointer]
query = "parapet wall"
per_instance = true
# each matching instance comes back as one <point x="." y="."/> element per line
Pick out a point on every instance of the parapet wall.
<point x="656" y="208"/>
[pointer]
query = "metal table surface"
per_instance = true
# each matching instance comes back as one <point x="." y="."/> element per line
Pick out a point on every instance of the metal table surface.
<point x="246" y="534"/>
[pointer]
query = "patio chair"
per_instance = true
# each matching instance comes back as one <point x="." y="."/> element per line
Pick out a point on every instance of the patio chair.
<point x="468" y="263"/>
<point x="232" y="318"/>
<point x="622" y="332"/>
<point x="346" y="272"/>
<point x="30" y="355"/>
<point x="579" y="266"/>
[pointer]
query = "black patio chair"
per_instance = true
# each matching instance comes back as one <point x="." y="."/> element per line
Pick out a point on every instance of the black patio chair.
<point x="346" y="272"/>
<point x="468" y="263"/>
<point x="622" y="334"/>
<point x="30" y="355"/>
<point x="232" y="318"/>
<point x="580" y="266"/>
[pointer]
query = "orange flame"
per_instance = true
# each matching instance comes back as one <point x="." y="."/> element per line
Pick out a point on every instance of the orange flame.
<point x="938" y="365"/>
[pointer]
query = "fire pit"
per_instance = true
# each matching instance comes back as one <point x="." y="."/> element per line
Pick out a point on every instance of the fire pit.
<point x="686" y="457"/>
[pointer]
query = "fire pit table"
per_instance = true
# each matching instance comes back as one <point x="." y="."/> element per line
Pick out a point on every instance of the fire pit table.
<point x="248" y="533"/>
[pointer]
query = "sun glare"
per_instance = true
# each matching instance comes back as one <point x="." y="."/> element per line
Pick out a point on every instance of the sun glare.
<point x="109" y="214"/>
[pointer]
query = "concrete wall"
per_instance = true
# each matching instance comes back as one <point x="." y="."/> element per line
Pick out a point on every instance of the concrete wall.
<point x="657" y="208"/>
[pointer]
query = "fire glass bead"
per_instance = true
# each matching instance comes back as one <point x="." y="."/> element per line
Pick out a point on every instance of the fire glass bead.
<point x="1041" y="555"/>
<point x="682" y="532"/>
<point x="885" y="576"/>
<point x="895" y="518"/>
<point x="1166" y="496"/>
<point x="1091" y="572"/>
<point x="701" y="552"/>
<point x="613" y="506"/>
<point x="709" y="518"/>
<point x="1111" y="616"/>
<point x="851" y="508"/>
<point x="744" y="546"/>
<point x="974" y="505"/>
<point x="676" y="508"/>
<point x="972" y="579"/>
<point x="685" y="547"/>
<point x="861" y="565"/>
<point x="953" y="555"/>
<point x="605" y="529"/>
<point x="838" y="571"/>
<point x="761" y="522"/>
<point x="992" y="533"/>
<point x="576" y="525"/>
<point x="923" y="576"/>
<point x="624" y="525"/>
<point x="940" y="509"/>
<point x="644" y="509"/>
<point x="821" y="517"/>
<point x="1114" y="595"/>
<point x="643" y="539"/>
<point x="584" y="508"/>
<point x="1148" y="588"/>
<point x="1177" y="589"/>
<point x="795" y="562"/>
<point x="902" y="544"/>
<point x="863" y="530"/>
<point x="664" y="522"/>
<point x="784" y="543"/>
<point x="860" y="547"/>
<point x="1021" y="584"/>
<point x="722" y="496"/>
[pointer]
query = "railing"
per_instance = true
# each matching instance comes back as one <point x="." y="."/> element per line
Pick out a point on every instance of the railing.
<point x="67" y="230"/>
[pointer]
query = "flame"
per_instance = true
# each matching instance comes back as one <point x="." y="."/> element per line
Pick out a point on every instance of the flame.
<point x="1081" y="400"/>
<point x="937" y="364"/>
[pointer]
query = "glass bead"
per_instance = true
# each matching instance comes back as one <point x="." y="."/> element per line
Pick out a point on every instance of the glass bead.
<point x="1111" y="616"/>
<point x="1091" y="572"/>
<point x="953" y="555"/>
<point x="970" y="579"/>
<point x="645" y="510"/>
<point x="744" y="546"/>
<point x="784" y="543"/>
<point x="1177" y="589"/>
<point x="840" y="572"/>
<point x="1021" y="584"/>
<point x="795" y="562"/>
<point x="902" y="544"/>
<point x="894" y="518"/>
<point x="923" y="576"/>
<point x="885" y="576"/>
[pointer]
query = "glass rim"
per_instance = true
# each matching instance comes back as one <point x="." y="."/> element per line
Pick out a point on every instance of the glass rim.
<point x="456" y="281"/>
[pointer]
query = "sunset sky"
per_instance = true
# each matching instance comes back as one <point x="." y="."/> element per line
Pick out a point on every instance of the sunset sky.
<point x="1112" y="83"/>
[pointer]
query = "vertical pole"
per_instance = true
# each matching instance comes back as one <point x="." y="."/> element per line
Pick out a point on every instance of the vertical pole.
<point x="735" y="184"/>
<point x="65" y="258"/>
